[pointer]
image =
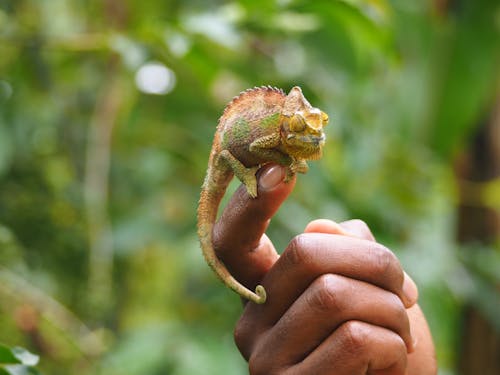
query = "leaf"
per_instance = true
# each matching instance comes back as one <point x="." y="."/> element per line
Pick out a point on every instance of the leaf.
<point x="465" y="84"/>
<point x="354" y="40"/>
<point x="17" y="355"/>
<point x="26" y="358"/>
<point x="7" y="356"/>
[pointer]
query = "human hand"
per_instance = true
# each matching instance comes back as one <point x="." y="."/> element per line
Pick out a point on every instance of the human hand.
<point x="338" y="302"/>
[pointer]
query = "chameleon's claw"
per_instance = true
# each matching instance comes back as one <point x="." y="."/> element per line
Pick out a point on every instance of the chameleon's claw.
<point x="250" y="181"/>
<point x="289" y="175"/>
<point x="299" y="166"/>
<point x="252" y="191"/>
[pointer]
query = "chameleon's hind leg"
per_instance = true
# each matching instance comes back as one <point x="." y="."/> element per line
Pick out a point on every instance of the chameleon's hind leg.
<point x="244" y="174"/>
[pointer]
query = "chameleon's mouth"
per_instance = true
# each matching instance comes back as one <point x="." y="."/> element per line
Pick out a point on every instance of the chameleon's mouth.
<point x="305" y="146"/>
<point x="316" y="140"/>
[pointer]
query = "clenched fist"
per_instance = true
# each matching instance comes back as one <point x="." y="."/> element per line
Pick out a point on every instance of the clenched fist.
<point x="338" y="302"/>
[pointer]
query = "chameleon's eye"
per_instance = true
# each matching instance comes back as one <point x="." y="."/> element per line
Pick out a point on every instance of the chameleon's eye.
<point x="297" y="123"/>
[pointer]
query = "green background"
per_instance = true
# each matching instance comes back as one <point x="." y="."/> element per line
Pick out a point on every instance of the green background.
<point x="100" y="269"/>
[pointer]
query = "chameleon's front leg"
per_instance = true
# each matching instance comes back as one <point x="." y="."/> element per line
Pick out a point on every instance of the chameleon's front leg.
<point x="296" y="166"/>
<point x="299" y="166"/>
<point x="244" y="174"/>
<point x="266" y="148"/>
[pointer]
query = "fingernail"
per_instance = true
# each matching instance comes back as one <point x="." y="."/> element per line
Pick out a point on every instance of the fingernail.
<point x="327" y="226"/>
<point x="272" y="177"/>
<point x="410" y="291"/>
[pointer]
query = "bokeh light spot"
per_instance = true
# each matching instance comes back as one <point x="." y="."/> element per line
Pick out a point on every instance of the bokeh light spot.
<point x="155" y="78"/>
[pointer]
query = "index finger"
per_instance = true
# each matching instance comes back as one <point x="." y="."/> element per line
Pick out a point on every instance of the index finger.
<point x="311" y="255"/>
<point x="239" y="238"/>
<point x="358" y="228"/>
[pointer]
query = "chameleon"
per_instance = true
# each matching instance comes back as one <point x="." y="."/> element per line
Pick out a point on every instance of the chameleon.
<point x="259" y="126"/>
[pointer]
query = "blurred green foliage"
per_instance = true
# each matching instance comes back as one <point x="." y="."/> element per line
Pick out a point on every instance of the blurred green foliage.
<point x="100" y="270"/>
<point x="17" y="361"/>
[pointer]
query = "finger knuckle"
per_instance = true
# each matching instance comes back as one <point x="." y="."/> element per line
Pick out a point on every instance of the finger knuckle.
<point x="386" y="264"/>
<point x="297" y="253"/>
<point x="257" y="366"/>
<point x="355" y="336"/>
<point x="259" y="357"/>
<point x="326" y="294"/>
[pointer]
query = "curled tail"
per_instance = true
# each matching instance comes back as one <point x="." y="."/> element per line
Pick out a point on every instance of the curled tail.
<point x="207" y="213"/>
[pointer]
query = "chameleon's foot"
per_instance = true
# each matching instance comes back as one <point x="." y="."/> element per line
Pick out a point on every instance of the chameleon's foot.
<point x="289" y="175"/>
<point x="299" y="166"/>
<point x="296" y="166"/>
<point x="250" y="181"/>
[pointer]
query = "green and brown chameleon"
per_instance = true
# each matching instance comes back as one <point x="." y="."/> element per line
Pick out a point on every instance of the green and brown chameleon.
<point x="261" y="125"/>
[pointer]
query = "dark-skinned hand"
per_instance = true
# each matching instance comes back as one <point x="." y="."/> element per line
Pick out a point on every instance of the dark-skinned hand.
<point x="338" y="302"/>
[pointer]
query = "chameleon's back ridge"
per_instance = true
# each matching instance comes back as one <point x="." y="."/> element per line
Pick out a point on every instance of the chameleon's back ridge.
<point x="264" y="92"/>
<point x="259" y="126"/>
<point x="253" y="103"/>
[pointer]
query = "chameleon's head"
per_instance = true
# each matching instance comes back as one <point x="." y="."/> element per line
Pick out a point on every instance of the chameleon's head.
<point x="302" y="127"/>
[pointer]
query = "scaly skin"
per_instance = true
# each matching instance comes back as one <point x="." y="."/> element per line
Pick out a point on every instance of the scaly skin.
<point x="262" y="125"/>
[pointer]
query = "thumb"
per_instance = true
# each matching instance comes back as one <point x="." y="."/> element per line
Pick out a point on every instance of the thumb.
<point x="239" y="238"/>
<point x="353" y="228"/>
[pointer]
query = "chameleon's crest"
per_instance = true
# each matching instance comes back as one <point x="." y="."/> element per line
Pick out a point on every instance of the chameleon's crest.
<point x="250" y="94"/>
<point x="295" y="101"/>
<point x="260" y="99"/>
